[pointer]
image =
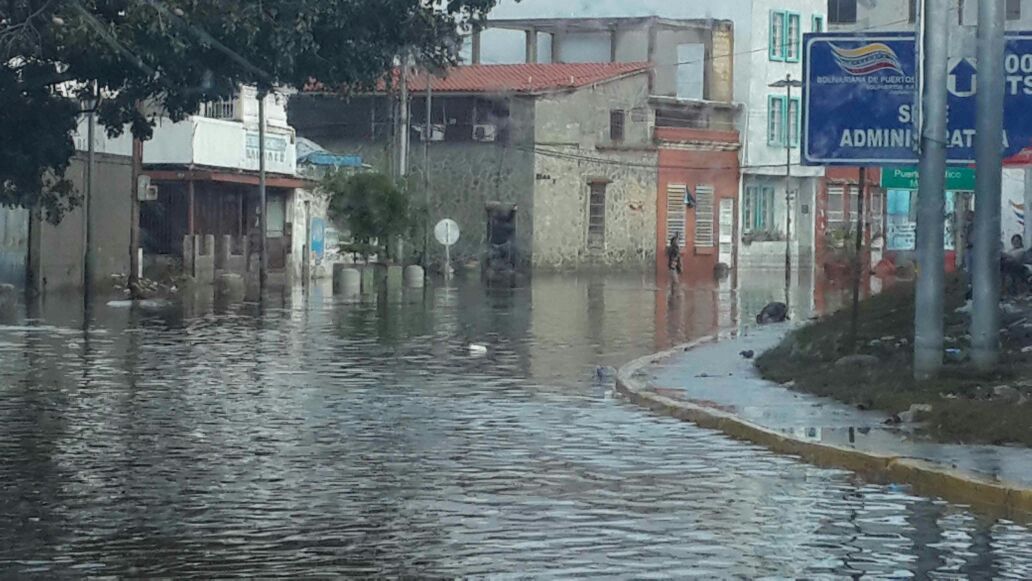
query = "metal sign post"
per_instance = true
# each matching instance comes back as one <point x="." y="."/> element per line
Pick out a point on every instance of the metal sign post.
<point x="447" y="233"/>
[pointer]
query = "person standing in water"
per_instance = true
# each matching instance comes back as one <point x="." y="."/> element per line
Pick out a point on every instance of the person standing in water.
<point x="673" y="253"/>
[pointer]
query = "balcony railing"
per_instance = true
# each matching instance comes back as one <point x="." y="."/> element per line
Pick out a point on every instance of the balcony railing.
<point x="221" y="109"/>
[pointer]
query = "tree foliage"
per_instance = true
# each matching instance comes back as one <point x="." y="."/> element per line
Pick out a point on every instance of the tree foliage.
<point x="373" y="209"/>
<point x="175" y="54"/>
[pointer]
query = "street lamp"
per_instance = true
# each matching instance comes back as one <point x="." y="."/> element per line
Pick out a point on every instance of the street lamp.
<point x="788" y="83"/>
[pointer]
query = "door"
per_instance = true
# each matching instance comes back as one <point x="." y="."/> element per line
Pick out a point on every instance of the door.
<point x="14" y="245"/>
<point x="275" y="229"/>
<point x="726" y="250"/>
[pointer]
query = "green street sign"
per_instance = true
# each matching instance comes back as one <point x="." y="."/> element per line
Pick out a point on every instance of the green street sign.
<point x="958" y="179"/>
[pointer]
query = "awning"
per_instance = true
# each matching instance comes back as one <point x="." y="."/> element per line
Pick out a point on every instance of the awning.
<point x="248" y="178"/>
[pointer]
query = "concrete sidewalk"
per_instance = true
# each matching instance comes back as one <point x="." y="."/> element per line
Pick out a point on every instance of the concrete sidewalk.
<point x="713" y="375"/>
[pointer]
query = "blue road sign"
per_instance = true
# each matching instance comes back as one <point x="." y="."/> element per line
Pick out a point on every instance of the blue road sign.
<point x="859" y="94"/>
<point x="318" y="236"/>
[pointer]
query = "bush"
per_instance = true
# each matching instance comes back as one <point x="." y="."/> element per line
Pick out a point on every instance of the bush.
<point x="372" y="208"/>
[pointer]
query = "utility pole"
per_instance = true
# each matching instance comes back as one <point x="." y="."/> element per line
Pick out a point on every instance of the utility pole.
<point x="263" y="247"/>
<point x="931" y="199"/>
<point x="403" y="120"/>
<point x="985" y="313"/>
<point x="857" y="267"/>
<point x="87" y="207"/>
<point x="134" y="218"/>
<point x="427" y="134"/>
<point x="788" y="188"/>
<point x="789" y="127"/>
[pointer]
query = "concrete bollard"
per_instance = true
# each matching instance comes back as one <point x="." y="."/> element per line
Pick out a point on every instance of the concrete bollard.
<point x="8" y="302"/>
<point x="369" y="286"/>
<point x="338" y="277"/>
<point x="346" y="280"/>
<point x="394" y="278"/>
<point x="414" y="277"/>
<point x="230" y="286"/>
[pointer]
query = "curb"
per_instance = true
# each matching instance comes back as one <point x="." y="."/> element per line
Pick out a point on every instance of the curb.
<point x="1001" y="500"/>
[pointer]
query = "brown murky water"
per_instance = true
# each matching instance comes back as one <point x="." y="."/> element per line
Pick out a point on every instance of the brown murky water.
<point x="317" y="438"/>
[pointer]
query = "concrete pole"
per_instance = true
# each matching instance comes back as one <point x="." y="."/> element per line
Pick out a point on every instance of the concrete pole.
<point x="134" y="217"/>
<point x="306" y="248"/>
<point x="1027" y="234"/>
<point x="854" y="322"/>
<point x="931" y="198"/>
<point x="87" y="207"/>
<point x="403" y="121"/>
<point x="427" y="130"/>
<point x="263" y="247"/>
<point x="985" y="315"/>
<point x="788" y="189"/>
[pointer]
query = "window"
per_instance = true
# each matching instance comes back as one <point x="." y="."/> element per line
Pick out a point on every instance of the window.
<point x="782" y="120"/>
<point x="776" y="47"/>
<point x="912" y="12"/>
<point x="758" y="209"/>
<point x="817" y="23"/>
<point x="785" y="36"/>
<point x="1013" y="9"/>
<point x="775" y="120"/>
<point x="616" y="125"/>
<point x="793" y="34"/>
<point x="676" y="194"/>
<point x="704" y="213"/>
<point x="597" y="215"/>
<point x="793" y="122"/>
<point x="842" y="11"/>
<point x="836" y="206"/>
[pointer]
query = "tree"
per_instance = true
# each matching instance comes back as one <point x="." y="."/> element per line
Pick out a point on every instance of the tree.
<point x="175" y="54"/>
<point x="372" y="208"/>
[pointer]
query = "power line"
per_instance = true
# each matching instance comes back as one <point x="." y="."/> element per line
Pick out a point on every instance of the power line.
<point x="570" y="156"/>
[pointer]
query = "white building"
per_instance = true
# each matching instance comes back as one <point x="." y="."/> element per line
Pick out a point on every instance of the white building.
<point x="206" y="169"/>
<point x="768" y="47"/>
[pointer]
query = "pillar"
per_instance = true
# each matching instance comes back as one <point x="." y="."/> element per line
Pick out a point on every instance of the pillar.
<point x="532" y="46"/>
<point x="475" y="48"/>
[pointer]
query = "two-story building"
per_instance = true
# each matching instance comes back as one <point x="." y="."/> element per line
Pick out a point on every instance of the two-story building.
<point x="206" y="169"/>
<point x="693" y="113"/>
<point x="568" y="146"/>
<point x="767" y="43"/>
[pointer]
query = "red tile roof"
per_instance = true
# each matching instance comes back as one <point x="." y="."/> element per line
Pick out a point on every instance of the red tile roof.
<point x="536" y="78"/>
<point x="520" y="78"/>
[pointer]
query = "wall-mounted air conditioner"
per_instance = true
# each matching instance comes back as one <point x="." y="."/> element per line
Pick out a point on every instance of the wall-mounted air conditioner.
<point x="485" y="132"/>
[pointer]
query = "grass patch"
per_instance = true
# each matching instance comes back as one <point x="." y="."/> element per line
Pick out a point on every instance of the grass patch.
<point x="964" y="408"/>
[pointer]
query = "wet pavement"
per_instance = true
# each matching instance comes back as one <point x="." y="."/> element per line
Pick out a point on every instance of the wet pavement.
<point x="317" y="438"/>
<point x="716" y="375"/>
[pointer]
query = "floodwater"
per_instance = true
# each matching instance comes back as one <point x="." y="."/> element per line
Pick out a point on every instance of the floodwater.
<point x="313" y="437"/>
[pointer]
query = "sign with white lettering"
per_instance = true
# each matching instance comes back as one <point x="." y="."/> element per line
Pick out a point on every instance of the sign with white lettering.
<point x="859" y="94"/>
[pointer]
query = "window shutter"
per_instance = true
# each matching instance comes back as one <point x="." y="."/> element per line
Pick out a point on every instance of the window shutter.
<point x="704" y="216"/>
<point x="675" y="210"/>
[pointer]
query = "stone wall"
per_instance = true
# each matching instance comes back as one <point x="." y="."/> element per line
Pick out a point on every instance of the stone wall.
<point x="464" y="175"/>
<point x="572" y="132"/>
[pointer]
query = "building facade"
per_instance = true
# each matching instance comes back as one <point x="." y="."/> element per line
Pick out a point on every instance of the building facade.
<point x="690" y="98"/>
<point x="763" y="51"/>
<point x="568" y="147"/>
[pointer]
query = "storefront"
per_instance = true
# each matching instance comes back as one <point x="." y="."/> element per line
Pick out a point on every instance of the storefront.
<point x="901" y="185"/>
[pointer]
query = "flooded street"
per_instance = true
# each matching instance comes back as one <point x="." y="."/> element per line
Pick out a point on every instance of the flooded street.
<point x="315" y="437"/>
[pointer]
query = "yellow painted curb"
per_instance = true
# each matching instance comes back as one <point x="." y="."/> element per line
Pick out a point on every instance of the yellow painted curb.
<point x="999" y="499"/>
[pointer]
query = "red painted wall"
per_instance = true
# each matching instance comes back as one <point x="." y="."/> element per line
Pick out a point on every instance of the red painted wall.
<point x="703" y="164"/>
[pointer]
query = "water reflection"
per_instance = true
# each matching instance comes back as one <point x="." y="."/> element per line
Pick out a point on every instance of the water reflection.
<point x="320" y="436"/>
